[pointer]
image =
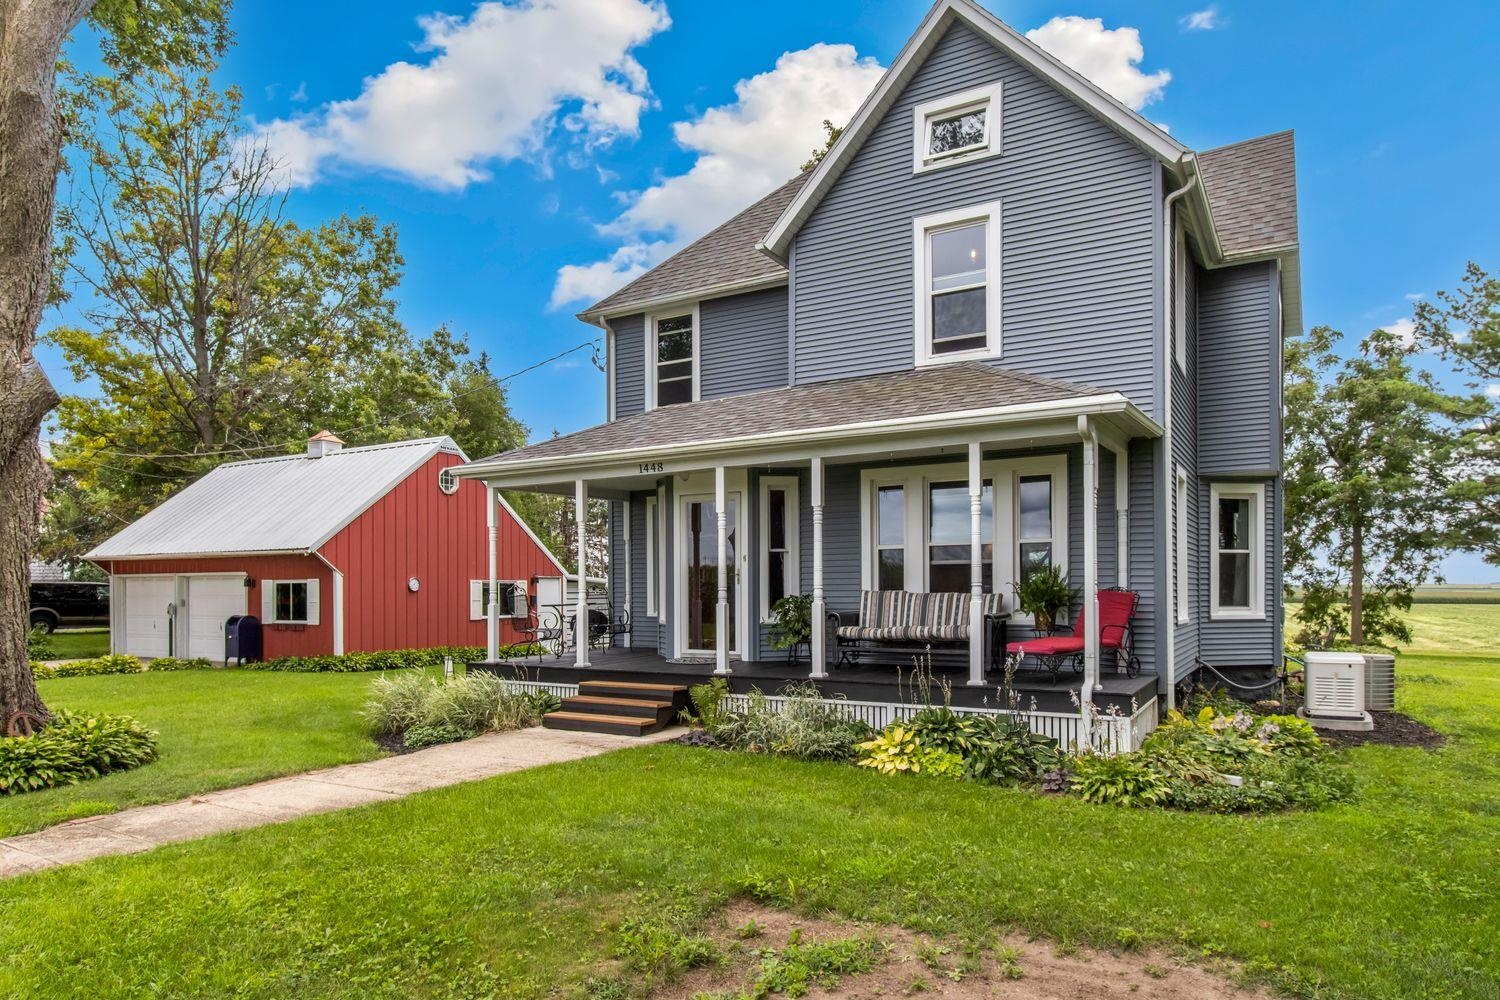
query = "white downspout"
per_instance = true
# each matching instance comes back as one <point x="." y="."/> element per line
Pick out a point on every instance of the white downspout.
<point x="1169" y="641"/>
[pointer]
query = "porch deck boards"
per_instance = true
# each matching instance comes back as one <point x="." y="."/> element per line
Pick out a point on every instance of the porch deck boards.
<point x="880" y="683"/>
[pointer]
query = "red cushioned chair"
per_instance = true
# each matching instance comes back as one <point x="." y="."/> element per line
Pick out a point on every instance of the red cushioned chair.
<point x="1116" y="608"/>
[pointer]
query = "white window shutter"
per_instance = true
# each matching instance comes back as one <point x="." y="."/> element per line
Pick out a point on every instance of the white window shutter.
<point x="476" y="600"/>
<point x="267" y="601"/>
<point x="519" y="607"/>
<point x="312" y="602"/>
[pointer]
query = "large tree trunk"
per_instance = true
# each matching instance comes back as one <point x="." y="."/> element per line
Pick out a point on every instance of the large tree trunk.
<point x="32" y="33"/>
<point x="1357" y="584"/>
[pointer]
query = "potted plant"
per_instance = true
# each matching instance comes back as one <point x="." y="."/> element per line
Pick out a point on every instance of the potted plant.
<point x="791" y="618"/>
<point x="1044" y="592"/>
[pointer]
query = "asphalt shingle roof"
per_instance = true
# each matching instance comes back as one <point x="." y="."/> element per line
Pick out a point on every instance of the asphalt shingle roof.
<point x="1252" y="191"/>
<point x="917" y="392"/>
<point x="724" y="255"/>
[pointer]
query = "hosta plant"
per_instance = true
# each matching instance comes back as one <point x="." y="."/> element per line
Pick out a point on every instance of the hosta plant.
<point x="1124" y="779"/>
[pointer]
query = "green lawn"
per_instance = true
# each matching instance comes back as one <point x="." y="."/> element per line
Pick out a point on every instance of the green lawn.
<point x="80" y="643"/>
<point x="1468" y="629"/>
<point x="219" y="728"/>
<point x="509" y="886"/>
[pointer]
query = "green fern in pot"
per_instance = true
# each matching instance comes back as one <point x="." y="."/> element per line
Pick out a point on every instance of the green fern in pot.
<point x="1044" y="592"/>
<point x="792" y="620"/>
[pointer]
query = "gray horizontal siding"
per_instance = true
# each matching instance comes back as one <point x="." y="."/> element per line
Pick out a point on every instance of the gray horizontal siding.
<point x="1239" y="642"/>
<point x="744" y="343"/>
<point x="1078" y="221"/>
<point x="1185" y="456"/>
<point x="1239" y="391"/>
<point x="629" y="363"/>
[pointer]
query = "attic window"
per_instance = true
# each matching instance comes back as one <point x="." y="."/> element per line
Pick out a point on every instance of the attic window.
<point x="957" y="129"/>
<point x="448" y="482"/>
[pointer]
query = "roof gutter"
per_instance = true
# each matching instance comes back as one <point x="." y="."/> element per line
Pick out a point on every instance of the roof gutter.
<point x="1169" y="240"/>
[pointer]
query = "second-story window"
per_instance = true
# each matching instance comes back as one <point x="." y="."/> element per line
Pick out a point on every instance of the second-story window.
<point x="958" y="301"/>
<point x="674" y="365"/>
<point x="956" y="128"/>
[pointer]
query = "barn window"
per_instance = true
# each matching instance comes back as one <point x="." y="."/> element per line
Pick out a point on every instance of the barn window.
<point x="448" y="481"/>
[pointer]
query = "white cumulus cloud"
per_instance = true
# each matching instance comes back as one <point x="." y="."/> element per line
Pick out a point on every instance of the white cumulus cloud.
<point x="495" y="85"/>
<point x="744" y="150"/>
<point x="1110" y="57"/>
<point x="1206" y="19"/>
<point x="1404" y="330"/>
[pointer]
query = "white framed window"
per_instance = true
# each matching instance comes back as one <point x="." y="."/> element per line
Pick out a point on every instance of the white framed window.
<point x="1238" y="554"/>
<point x="958" y="128"/>
<point x="651" y="555"/>
<point x="448" y="481"/>
<point x="916" y="523"/>
<point x="672" y="357"/>
<point x="511" y="595"/>
<point x="780" y="556"/>
<point x="1182" y="593"/>
<point x="1180" y="261"/>
<point x="289" y="602"/>
<point x="957" y="267"/>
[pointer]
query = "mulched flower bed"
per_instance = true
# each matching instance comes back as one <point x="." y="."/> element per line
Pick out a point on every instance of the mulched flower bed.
<point x="1392" y="729"/>
<point x="392" y="744"/>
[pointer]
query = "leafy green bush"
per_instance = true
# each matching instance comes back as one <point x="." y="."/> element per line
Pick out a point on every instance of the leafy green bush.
<point x="72" y="748"/>
<point x="1123" y="779"/>
<point x="1005" y="751"/>
<point x="808" y="726"/>
<point x="709" y="704"/>
<point x="39" y="644"/>
<point x="430" y="710"/>
<point x="109" y="663"/>
<point x="1269" y="784"/>
<point x="167" y="663"/>
<point x="896" y="749"/>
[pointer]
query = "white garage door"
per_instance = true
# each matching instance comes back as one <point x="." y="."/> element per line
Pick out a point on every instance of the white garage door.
<point x="147" y="626"/>
<point x="210" y="600"/>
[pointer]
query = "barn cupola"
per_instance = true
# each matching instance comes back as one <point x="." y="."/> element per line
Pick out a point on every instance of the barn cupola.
<point x="323" y="443"/>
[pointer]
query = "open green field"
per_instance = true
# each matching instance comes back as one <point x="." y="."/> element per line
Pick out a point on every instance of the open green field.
<point x="514" y="886"/>
<point x="1443" y="628"/>
<point x="219" y="728"/>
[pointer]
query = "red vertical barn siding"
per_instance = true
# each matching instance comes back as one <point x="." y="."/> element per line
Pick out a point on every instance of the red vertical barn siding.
<point x="280" y="640"/>
<point x="418" y="531"/>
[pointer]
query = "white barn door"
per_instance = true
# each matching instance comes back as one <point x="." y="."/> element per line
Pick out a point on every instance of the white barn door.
<point x="148" y="627"/>
<point x="210" y="600"/>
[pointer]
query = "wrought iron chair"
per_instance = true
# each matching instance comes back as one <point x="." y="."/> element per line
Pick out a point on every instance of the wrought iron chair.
<point x="1116" y="608"/>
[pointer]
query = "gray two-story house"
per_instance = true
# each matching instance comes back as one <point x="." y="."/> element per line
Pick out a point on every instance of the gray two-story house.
<point x="1005" y="323"/>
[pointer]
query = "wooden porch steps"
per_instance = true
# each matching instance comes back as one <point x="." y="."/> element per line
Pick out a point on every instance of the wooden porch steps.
<point x="624" y="708"/>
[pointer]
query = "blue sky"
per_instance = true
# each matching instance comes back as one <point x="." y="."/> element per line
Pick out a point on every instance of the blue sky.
<point x="553" y="150"/>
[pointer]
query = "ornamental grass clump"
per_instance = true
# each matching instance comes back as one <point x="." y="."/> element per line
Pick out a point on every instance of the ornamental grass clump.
<point x="73" y="747"/>
<point x="424" y="710"/>
<point x="806" y="725"/>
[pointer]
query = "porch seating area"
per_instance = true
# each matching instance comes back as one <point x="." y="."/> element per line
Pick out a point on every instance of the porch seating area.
<point x="1116" y="608"/>
<point x="901" y="624"/>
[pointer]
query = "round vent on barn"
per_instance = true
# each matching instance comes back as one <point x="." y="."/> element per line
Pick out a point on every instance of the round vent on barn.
<point x="448" y="482"/>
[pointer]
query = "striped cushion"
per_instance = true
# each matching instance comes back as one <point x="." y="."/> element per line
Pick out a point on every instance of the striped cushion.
<point x="909" y="633"/>
<point x="945" y="610"/>
<point x="886" y="608"/>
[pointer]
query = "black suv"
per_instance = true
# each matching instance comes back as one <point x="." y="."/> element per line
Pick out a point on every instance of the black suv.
<point x="69" y="605"/>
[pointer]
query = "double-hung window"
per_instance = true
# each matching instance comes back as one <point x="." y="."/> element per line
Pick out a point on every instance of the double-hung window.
<point x="780" y="567"/>
<point x="956" y="128"/>
<point x="957" y="257"/>
<point x="1239" y="552"/>
<point x="890" y="537"/>
<point x="1034" y="531"/>
<point x="949" y="526"/>
<point x="672" y="356"/>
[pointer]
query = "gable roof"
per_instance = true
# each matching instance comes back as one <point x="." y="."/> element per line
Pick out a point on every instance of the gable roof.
<point x="290" y="503"/>
<point x="830" y="407"/>
<point x="1252" y="193"/>
<point x="944" y="14"/>
<point x="722" y="261"/>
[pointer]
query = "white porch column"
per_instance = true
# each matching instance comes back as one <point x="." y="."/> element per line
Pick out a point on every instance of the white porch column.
<point x="492" y="610"/>
<point x="1090" y="570"/>
<point x="1122" y="514"/>
<point x="817" y="643"/>
<point x="721" y="610"/>
<point x="976" y="566"/>
<point x="626" y="506"/>
<point x="581" y="607"/>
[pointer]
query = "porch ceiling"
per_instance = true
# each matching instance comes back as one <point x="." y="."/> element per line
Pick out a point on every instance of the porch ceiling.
<point x="913" y="409"/>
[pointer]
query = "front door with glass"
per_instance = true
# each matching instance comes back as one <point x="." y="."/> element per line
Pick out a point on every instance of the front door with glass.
<point x="701" y="571"/>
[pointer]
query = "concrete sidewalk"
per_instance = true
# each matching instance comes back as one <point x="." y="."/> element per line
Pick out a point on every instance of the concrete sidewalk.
<point x="281" y="799"/>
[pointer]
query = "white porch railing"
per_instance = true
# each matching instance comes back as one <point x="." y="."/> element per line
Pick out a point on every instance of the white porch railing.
<point x="1112" y="733"/>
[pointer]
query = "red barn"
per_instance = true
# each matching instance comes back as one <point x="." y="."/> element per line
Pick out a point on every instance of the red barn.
<point x="336" y="550"/>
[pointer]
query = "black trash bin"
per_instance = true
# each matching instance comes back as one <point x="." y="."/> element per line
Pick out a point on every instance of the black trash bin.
<point x="242" y="639"/>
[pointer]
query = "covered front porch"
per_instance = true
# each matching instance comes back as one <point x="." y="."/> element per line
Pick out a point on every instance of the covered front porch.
<point x="721" y="508"/>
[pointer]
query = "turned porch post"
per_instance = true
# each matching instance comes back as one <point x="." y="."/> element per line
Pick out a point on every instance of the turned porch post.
<point x="492" y="610"/>
<point x="721" y="610"/>
<point x="581" y="606"/>
<point x="1090" y="573"/>
<point x="818" y="641"/>
<point x="976" y="566"/>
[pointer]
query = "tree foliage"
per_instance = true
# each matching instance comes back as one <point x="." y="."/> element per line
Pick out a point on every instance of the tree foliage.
<point x="832" y="132"/>
<point x="1464" y="327"/>
<point x="217" y="328"/>
<point x="1364" y="482"/>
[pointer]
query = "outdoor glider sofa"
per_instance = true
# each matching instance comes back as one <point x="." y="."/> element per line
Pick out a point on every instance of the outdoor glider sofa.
<point x="902" y="624"/>
<point x="1116" y="608"/>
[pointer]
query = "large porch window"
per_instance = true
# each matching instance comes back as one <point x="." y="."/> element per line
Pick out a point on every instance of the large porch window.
<point x="780" y="565"/>
<point x="917" y="524"/>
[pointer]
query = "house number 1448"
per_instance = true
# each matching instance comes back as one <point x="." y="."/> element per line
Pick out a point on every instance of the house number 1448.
<point x="651" y="467"/>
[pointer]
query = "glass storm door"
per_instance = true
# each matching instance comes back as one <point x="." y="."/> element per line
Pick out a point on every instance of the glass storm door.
<point x="702" y="555"/>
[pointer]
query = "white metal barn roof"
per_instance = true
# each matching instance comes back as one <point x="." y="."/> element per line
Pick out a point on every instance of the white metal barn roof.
<point x="289" y="503"/>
